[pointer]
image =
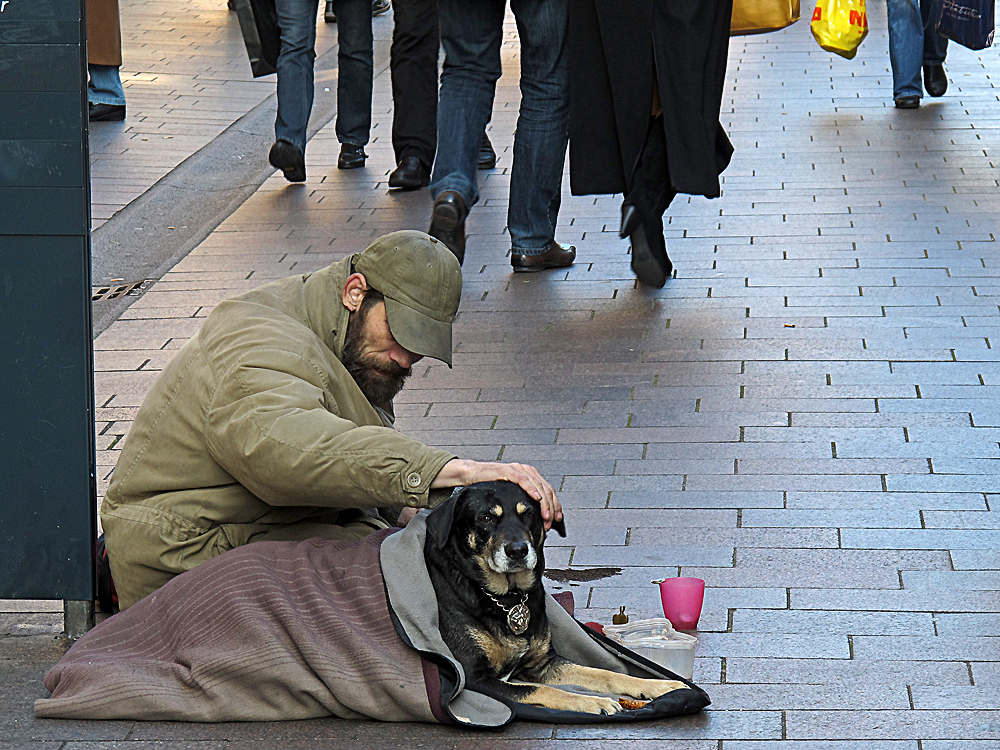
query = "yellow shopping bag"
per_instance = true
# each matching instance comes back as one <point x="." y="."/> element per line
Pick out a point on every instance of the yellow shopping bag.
<point x="840" y="25"/>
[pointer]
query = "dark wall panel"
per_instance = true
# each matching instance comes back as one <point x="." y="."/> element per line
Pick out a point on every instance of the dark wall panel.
<point x="42" y="164"/>
<point x="46" y="424"/>
<point x="43" y="210"/>
<point x="47" y="459"/>
<point x="39" y="67"/>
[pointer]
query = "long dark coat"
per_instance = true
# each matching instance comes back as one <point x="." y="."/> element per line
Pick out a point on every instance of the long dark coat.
<point x="612" y="45"/>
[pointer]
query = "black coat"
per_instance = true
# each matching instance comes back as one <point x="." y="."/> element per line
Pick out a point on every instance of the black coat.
<point x="612" y="44"/>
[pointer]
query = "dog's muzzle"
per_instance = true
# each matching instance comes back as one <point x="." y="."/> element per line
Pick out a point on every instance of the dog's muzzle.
<point x="512" y="557"/>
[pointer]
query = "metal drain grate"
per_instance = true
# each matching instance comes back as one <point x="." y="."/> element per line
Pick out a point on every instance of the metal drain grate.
<point x="119" y="288"/>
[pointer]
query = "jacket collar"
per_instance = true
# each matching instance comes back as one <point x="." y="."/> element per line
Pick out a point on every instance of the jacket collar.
<point x="325" y="311"/>
<point x="327" y="317"/>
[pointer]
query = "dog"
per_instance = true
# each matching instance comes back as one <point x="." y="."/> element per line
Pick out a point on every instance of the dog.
<point x="484" y="557"/>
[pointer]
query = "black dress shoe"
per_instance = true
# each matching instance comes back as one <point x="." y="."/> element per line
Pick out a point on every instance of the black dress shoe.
<point x="935" y="80"/>
<point x="487" y="156"/>
<point x="650" y="262"/>
<point x="379" y="7"/>
<point x="908" y="102"/>
<point x="448" y="222"/>
<point x="288" y="157"/>
<point x="351" y="156"/>
<point x="329" y="15"/>
<point x="106" y="112"/>
<point x="555" y="256"/>
<point x="409" y="174"/>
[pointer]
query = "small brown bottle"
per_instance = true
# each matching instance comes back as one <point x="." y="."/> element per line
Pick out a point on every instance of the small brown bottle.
<point x="621" y="618"/>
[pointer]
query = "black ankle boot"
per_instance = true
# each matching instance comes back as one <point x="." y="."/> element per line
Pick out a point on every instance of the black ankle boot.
<point x="650" y="261"/>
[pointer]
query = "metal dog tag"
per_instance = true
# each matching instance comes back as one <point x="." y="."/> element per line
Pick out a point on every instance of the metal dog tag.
<point x="518" y="618"/>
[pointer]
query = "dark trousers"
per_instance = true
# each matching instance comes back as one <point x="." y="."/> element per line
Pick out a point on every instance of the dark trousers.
<point x="297" y="21"/>
<point x="413" y="62"/>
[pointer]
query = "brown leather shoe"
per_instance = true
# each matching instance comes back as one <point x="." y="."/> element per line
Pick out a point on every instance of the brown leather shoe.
<point x="555" y="256"/>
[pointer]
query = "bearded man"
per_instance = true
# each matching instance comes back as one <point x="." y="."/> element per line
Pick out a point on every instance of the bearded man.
<point x="274" y="422"/>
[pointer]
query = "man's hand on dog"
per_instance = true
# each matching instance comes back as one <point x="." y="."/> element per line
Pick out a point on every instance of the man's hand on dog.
<point x="459" y="472"/>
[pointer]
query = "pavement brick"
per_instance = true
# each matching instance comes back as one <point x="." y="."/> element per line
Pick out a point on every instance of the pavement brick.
<point x="905" y="724"/>
<point x="867" y="744"/>
<point x="711" y="725"/>
<point x="894" y="601"/>
<point x="847" y="623"/>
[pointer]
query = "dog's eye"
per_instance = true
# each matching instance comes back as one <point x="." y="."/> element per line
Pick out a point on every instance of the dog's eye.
<point x="486" y="519"/>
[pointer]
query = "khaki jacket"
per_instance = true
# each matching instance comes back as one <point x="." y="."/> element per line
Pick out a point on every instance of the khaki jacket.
<point x="253" y="431"/>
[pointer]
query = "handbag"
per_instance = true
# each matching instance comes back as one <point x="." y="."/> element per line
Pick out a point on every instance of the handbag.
<point x="968" y="22"/>
<point x="761" y="16"/>
<point x="261" y="34"/>
<point x="840" y="26"/>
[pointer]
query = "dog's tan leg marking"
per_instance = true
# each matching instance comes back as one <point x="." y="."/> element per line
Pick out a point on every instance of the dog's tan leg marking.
<point x="605" y="681"/>
<point x="562" y="700"/>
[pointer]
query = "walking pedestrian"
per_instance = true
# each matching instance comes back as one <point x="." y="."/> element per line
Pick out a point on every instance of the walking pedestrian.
<point x="413" y="65"/>
<point x="105" y="94"/>
<point x="297" y="21"/>
<point x="471" y="33"/>
<point x="914" y="42"/>
<point x="646" y="90"/>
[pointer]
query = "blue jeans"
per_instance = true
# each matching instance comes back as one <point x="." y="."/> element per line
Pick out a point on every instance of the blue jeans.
<point x="912" y="43"/>
<point x="105" y="86"/>
<point x="297" y="20"/>
<point x="471" y="32"/>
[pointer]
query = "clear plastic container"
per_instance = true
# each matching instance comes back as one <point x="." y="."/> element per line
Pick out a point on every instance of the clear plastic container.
<point x="657" y="641"/>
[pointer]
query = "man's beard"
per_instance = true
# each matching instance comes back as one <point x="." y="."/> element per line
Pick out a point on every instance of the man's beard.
<point x="379" y="381"/>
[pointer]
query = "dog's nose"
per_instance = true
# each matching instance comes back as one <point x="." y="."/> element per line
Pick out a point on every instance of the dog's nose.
<point x="516" y="550"/>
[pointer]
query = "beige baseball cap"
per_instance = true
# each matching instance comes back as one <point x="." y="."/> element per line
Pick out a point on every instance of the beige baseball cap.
<point x="422" y="283"/>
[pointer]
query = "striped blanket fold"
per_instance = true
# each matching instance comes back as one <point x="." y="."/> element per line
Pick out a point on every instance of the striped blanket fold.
<point x="269" y="631"/>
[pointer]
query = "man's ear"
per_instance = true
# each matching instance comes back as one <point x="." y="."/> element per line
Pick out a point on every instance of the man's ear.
<point x="440" y="519"/>
<point x="354" y="291"/>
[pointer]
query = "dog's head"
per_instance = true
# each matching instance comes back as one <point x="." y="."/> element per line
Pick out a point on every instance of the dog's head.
<point x="496" y="525"/>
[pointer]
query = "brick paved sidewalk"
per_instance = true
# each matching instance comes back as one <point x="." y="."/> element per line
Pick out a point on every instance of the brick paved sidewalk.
<point x="805" y="416"/>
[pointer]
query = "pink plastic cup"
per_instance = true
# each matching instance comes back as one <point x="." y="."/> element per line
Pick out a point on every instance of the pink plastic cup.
<point x="682" y="599"/>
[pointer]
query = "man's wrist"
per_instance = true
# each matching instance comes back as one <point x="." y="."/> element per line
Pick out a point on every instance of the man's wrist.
<point x="452" y="474"/>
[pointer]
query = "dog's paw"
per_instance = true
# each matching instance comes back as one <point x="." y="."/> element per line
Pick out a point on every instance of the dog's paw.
<point x="655" y="688"/>
<point x="607" y="706"/>
<point x="590" y="704"/>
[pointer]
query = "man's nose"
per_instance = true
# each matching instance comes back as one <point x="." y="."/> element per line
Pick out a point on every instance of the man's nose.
<point x="404" y="357"/>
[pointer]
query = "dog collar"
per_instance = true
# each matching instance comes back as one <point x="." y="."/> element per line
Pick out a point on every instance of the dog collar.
<point x="518" y="615"/>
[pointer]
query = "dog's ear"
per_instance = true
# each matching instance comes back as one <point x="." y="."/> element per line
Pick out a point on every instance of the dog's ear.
<point x="560" y="526"/>
<point x="440" y="519"/>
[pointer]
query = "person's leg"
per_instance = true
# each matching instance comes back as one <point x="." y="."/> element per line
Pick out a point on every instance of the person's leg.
<point x="297" y="21"/>
<point x="906" y="36"/>
<point x="935" y="45"/>
<point x="354" y="77"/>
<point x="471" y="32"/>
<point x="350" y="530"/>
<point x="105" y="86"/>
<point x="542" y="125"/>
<point x="413" y="64"/>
